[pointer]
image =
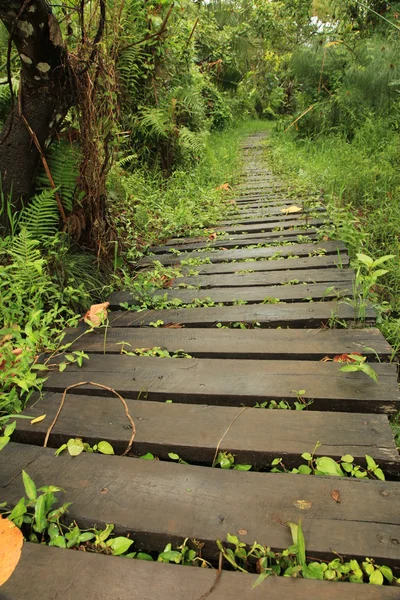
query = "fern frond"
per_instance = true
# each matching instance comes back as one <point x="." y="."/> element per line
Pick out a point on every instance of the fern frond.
<point x="63" y="160"/>
<point x="191" y="140"/>
<point x="155" y="122"/>
<point x="40" y="218"/>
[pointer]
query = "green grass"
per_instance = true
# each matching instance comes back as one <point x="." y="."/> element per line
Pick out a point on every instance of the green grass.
<point x="360" y="183"/>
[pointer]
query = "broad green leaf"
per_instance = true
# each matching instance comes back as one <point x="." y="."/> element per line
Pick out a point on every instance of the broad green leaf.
<point x="379" y="474"/>
<point x="144" y="556"/>
<point x="103" y="535"/>
<point x="75" y="446"/>
<point x="262" y="576"/>
<point x="59" y="541"/>
<point x="242" y="467"/>
<point x="148" y="456"/>
<point x="347" y="458"/>
<point x="304" y="470"/>
<point x="276" y="461"/>
<point x="301" y="545"/>
<point x="366" y="260"/>
<point x="232" y="539"/>
<point x="376" y="577"/>
<point x="105" y="448"/>
<point x="119" y="545"/>
<point x="86" y="536"/>
<point x="30" y="487"/>
<point x="173" y="456"/>
<point x="170" y="556"/>
<point x="328" y="466"/>
<point x="387" y="573"/>
<point x="371" y="464"/>
<point x="306" y="456"/>
<point x="9" y="429"/>
<point x="383" y="259"/>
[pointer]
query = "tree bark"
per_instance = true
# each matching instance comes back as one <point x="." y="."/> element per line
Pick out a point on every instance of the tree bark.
<point x="45" y="94"/>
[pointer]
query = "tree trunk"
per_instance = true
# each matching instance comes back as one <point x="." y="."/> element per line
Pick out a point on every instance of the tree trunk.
<point x="44" y="97"/>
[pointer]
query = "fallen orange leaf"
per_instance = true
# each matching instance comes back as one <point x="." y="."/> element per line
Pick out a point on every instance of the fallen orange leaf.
<point x="11" y="542"/>
<point x="213" y="236"/>
<point x="97" y="314"/>
<point x="172" y="326"/>
<point x="225" y="187"/>
<point x="336" y="496"/>
<point x="345" y="358"/>
<point x="242" y="531"/>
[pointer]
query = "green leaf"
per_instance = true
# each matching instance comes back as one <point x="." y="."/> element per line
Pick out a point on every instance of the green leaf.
<point x="18" y="511"/>
<point x="30" y="487"/>
<point x="148" y="456"/>
<point x="328" y="466"/>
<point x="59" y="541"/>
<point x="60" y="449"/>
<point x="144" y="556"/>
<point x="276" y="461"/>
<point x="75" y="446"/>
<point x="262" y="576"/>
<point x="119" y="545"/>
<point x="9" y="429"/>
<point x="173" y="456"/>
<point x="306" y="456"/>
<point x="379" y="474"/>
<point x="40" y="514"/>
<point x="86" y="536"/>
<point x="105" y="448"/>
<point x="371" y="464"/>
<point x="387" y="573"/>
<point x="170" y="556"/>
<point x="366" y="260"/>
<point x="304" y="470"/>
<point x="383" y="259"/>
<point x="347" y="458"/>
<point x="376" y="577"/>
<point x="242" y="467"/>
<point x="301" y="545"/>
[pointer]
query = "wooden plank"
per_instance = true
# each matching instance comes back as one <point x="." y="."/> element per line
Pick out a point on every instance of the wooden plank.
<point x="289" y="235"/>
<point x="309" y="262"/>
<point x="241" y="241"/>
<point x="251" y="295"/>
<point x="89" y="575"/>
<point x="268" y="315"/>
<point x="231" y="382"/>
<point x="299" y="344"/>
<point x="193" y="432"/>
<point x="259" y="217"/>
<point x="161" y="502"/>
<point x="236" y="231"/>
<point x="263" y="279"/>
<point x="226" y="255"/>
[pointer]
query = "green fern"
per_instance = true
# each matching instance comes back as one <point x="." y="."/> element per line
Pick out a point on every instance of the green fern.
<point x="27" y="262"/>
<point x="63" y="160"/>
<point x="191" y="141"/>
<point x="155" y="122"/>
<point x="41" y="216"/>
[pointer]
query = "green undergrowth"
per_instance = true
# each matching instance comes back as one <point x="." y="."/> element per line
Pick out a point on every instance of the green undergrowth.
<point x="43" y="520"/>
<point x="360" y="184"/>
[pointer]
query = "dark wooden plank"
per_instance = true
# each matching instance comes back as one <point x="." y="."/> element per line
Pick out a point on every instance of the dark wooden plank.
<point x="309" y="262"/>
<point x="193" y="432"/>
<point x="264" y="279"/>
<point x="241" y="241"/>
<point x="243" y="254"/>
<point x="259" y="217"/>
<point x="251" y="295"/>
<point x="268" y="315"/>
<point x="162" y="502"/>
<point x="233" y="382"/>
<point x="240" y="230"/>
<point x="300" y="344"/>
<point x="88" y="575"/>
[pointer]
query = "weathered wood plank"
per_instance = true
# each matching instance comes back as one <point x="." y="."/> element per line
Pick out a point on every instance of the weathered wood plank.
<point x="88" y="575"/>
<point x="161" y="502"/>
<point x="236" y="232"/>
<point x="233" y="382"/>
<point x="265" y="279"/>
<point x="287" y="235"/>
<point x="243" y="254"/>
<point x="268" y="315"/>
<point x="300" y="344"/>
<point x="308" y="262"/>
<point x="255" y="217"/>
<point x="193" y="431"/>
<point x="251" y="295"/>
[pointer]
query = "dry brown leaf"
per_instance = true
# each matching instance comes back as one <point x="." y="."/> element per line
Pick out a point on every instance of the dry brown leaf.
<point x="223" y="248"/>
<point x="291" y="210"/>
<point x="104" y="491"/>
<point x="97" y="314"/>
<point x="224" y="187"/>
<point x="303" y="504"/>
<point x="213" y="236"/>
<point x="38" y="419"/>
<point x="345" y="358"/>
<point x="233" y="201"/>
<point x="172" y="326"/>
<point x="242" y="531"/>
<point x="11" y="542"/>
<point x="336" y="496"/>
<point x="325" y="359"/>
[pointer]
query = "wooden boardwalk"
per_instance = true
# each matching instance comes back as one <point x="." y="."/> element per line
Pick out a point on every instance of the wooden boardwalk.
<point x="269" y="349"/>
